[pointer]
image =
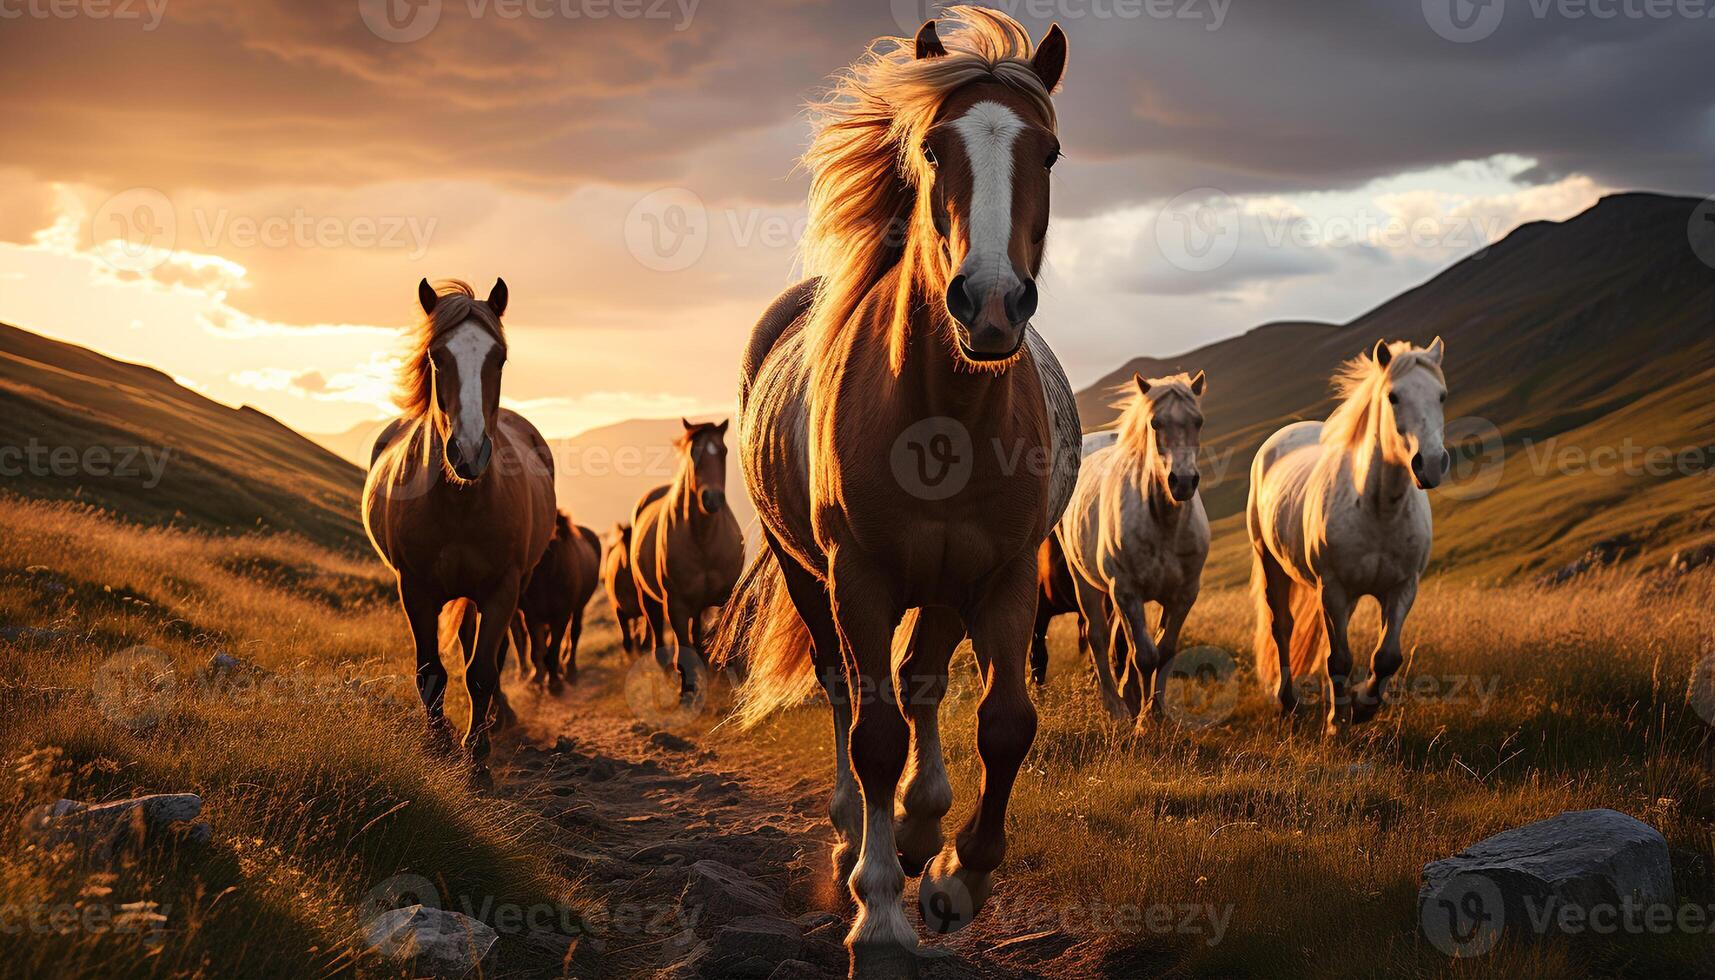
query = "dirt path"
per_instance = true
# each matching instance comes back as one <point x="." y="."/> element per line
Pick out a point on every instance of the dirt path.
<point x="709" y="858"/>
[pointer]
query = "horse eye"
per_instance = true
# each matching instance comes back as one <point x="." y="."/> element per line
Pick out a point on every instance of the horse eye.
<point x="1443" y="398"/>
<point x="1392" y="399"/>
<point x="1053" y="158"/>
<point x="929" y="156"/>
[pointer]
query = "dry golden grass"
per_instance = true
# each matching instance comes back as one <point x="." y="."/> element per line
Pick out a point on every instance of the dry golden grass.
<point x="1517" y="704"/>
<point x="310" y="767"/>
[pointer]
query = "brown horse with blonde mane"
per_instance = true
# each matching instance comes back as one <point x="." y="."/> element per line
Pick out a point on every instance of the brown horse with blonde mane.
<point x="686" y="550"/>
<point x="909" y="440"/>
<point x="459" y="501"/>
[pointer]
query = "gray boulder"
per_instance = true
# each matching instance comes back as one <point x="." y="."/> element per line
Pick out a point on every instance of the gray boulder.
<point x="100" y="830"/>
<point x="754" y="945"/>
<point x="434" y="942"/>
<point x="1551" y="876"/>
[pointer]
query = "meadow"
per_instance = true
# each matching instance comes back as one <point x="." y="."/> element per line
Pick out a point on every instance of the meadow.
<point x="1221" y="842"/>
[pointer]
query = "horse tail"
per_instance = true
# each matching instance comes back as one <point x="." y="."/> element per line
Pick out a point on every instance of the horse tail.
<point x="1309" y="630"/>
<point x="761" y="632"/>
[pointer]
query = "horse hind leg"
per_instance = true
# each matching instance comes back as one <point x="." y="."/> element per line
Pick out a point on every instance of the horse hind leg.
<point x="1274" y="626"/>
<point x="925" y="795"/>
<point x="958" y="881"/>
<point x="574" y="633"/>
<point x="1093" y="606"/>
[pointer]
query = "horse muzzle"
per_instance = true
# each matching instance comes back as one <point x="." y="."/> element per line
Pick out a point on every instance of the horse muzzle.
<point x="1429" y="475"/>
<point x="1183" y="488"/>
<point x="990" y="327"/>
<point x="712" y="501"/>
<point x="466" y="465"/>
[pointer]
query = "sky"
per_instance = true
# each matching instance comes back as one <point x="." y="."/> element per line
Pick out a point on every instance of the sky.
<point x="244" y="193"/>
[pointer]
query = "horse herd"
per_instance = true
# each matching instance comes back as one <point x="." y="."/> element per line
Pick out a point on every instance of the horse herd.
<point x="928" y="214"/>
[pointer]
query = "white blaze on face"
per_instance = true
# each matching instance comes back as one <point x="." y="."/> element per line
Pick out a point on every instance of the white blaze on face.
<point x="470" y="345"/>
<point x="988" y="131"/>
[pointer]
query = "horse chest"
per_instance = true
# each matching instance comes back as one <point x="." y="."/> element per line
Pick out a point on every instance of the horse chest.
<point x="1378" y="551"/>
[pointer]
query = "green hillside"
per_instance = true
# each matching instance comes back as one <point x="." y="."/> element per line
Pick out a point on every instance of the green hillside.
<point x="1584" y="343"/>
<point x="77" y="425"/>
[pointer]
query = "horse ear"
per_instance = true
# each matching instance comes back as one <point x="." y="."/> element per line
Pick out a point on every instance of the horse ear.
<point x="1141" y="382"/>
<point x="687" y="424"/>
<point x="722" y="427"/>
<point x="928" y="42"/>
<point x="1436" y="349"/>
<point x="1382" y="354"/>
<point x="426" y="296"/>
<point x="497" y="297"/>
<point x="1049" y="61"/>
<point x="1199" y="384"/>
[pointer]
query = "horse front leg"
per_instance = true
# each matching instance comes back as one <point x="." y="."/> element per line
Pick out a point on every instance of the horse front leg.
<point x="1173" y="618"/>
<point x="482" y="670"/>
<point x="922" y="682"/>
<point x="687" y="652"/>
<point x="1140" y="671"/>
<point x="1093" y="606"/>
<point x="958" y="881"/>
<point x="1337" y="616"/>
<point x="423" y="613"/>
<point x="882" y="942"/>
<point x="574" y="633"/>
<point x="1389" y="655"/>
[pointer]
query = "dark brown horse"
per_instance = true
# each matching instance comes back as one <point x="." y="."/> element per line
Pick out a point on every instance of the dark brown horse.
<point x="1056" y="595"/>
<point x="460" y="497"/>
<point x="551" y="611"/>
<point x="622" y="590"/>
<point x="686" y="550"/>
<point x="909" y="439"/>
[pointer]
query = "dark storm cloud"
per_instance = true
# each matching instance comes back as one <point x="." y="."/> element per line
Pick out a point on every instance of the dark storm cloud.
<point x="1162" y="95"/>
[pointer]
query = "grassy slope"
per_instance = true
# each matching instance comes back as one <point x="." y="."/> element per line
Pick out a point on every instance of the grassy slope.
<point x="226" y="469"/>
<point x="312" y="774"/>
<point x="1591" y="332"/>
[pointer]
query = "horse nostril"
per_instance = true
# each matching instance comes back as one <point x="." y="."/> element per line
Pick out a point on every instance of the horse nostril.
<point x="1021" y="303"/>
<point x="959" y="302"/>
<point x="1196" y="480"/>
<point x="1417" y="463"/>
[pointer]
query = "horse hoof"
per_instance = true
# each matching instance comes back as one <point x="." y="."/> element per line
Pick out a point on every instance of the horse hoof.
<point x="481" y="779"/>
<point x="913" y="867"/>
<point x="950" y="896"/>
<point x="439" y="738"/>
<point x="556" y="687"/>
<point x="1365" y="711"/>
<point x="882" y="961"/>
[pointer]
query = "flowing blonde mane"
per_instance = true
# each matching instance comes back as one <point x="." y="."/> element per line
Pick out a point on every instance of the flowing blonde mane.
<point x="1137" y="407"/>
<point x="458" y="303"/>
<point x="1358" y="382"/>
<point x="863" y="165"/>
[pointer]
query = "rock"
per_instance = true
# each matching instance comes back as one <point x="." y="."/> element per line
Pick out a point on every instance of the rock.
<point x="224" y="661"/>
<point x="99" y="830"/>
<point x="1583" y="860"/>
<point x="719" y="893"/>
<point x="751" y="945"/>
<point x="31" y="634"/>
<point x="1691" y="559"/>
<point x="435" y="942"/>
<point x="671" y="742"/>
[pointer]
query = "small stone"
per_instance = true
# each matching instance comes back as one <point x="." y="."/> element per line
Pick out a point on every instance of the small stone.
<point x="720" y="893"/>
<point x="751" y="937"/>
<point x="99" y="830"/>
<point x="434" y="942"/>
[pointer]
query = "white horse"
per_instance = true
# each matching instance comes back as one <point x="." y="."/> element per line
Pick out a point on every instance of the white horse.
<point x="1338" y="512"/>
<point x="1135" y="532"/>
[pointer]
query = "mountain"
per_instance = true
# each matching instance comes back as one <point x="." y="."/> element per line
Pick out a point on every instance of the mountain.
<point x="77" y="425"/>
<point x="1589" y="347"/>
<point x="600" y="473"/>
